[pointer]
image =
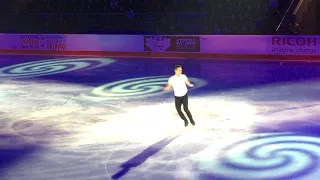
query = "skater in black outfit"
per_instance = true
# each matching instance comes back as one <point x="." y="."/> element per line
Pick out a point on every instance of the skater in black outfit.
<point x="179" y="83"/>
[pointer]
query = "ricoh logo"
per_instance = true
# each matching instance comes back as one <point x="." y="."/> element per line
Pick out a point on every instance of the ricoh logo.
<point x="294" y="45"/>
<point x="294" y="41"/>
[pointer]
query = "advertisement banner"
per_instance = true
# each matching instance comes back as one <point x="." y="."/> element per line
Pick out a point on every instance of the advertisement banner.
<point x="172" y="43"/>
<point x="207" y="44"/>
<point x="43" y="42"/>
<point x="261" y="45"/>
<point x="294" y="45"/>
<point x="72" y="42"/>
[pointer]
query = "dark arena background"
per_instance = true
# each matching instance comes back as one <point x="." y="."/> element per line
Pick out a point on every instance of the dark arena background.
<point x="81" y="93"/>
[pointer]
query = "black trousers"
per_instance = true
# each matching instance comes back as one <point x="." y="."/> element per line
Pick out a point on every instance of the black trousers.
<point x="183" y="101"/>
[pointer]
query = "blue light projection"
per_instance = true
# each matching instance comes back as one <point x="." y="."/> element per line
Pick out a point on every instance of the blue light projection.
<point x="270" y="156"/>
<point x="52" y="66"/>
<point x="135" y="88"/>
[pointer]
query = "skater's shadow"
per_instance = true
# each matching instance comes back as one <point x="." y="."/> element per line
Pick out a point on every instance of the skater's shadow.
<point x="142" y="157"/>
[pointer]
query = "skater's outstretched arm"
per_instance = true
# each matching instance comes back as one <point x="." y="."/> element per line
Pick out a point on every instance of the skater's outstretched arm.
<point x="168" y="87"/>
<point x="189" y="84"/>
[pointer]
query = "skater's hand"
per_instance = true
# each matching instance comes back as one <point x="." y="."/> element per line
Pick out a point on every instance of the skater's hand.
<point x="165" y="88"/>
<point x="189" y="84"/>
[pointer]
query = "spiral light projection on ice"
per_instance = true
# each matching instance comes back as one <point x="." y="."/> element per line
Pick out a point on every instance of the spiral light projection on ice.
<point x="267" y="157"/>
<point x="135" y="88"/>
<point x="52" y="66"/>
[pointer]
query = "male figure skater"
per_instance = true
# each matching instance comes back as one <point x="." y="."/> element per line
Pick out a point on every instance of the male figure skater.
<point x="178" y="83"/>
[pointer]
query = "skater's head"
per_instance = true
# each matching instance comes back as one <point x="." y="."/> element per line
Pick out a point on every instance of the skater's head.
<point x="178" y="70"/>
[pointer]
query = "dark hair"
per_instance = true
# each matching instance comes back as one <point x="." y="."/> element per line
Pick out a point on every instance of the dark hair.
<point x="177" y="66"/>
